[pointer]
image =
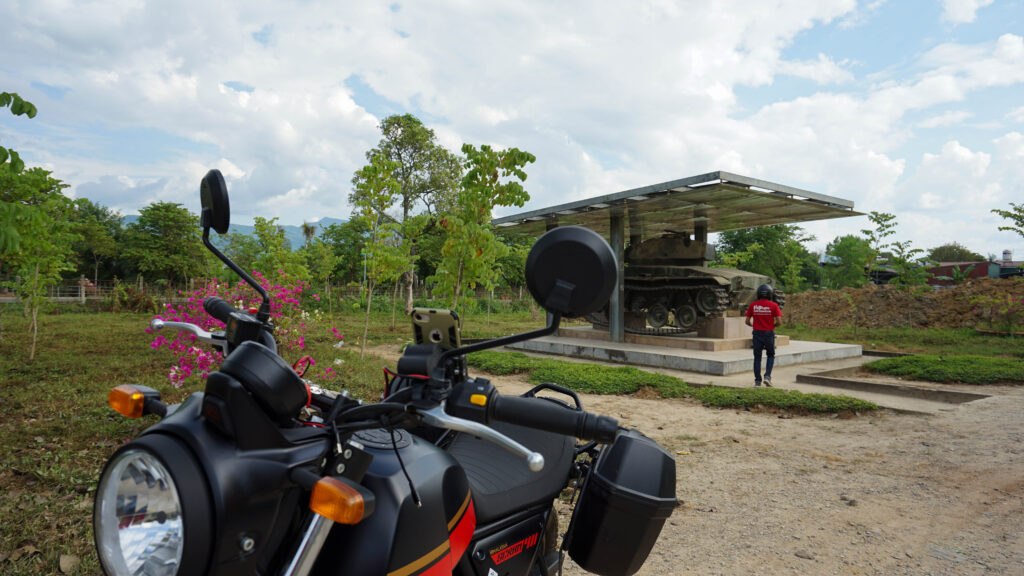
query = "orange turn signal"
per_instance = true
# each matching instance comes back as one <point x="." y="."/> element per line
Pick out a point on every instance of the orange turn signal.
<point x="127" y="400"/>
<point x="337" y="501"/>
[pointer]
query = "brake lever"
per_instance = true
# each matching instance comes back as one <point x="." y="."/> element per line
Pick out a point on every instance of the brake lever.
<point x="215" y="339"/>
<point x="436" y="416"/>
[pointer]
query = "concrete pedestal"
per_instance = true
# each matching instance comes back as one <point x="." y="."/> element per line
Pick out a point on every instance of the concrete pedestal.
<point x="734" y="327"/>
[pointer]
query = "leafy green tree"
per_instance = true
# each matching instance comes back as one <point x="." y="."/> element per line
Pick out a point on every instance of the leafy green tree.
<point x="274" y="252"/>
<point x="165" y="243"/>
<point x="44" y="238"/>
<point x="308" y="232"/>
<point x="427" y="175"/>
<point x="779" y="253"/>
<point x="10" y="212"/>
<point x="347" y="240"/>
<point x="954" y="252"/>
<point x="242" y="249"/>
<point x="471" y="249"/>
<point x="321" y="261"/>
<point x="387" y="257"/>
<point x="1015" y="215"/>
<point x="18" y="107"/>
<point x="848" y="255"/>
<point x="885" y="226"/>
<point x="98" y="227"/>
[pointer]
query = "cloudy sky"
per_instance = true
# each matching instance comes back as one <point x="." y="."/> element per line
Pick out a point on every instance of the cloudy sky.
<point x="914" y="107"/>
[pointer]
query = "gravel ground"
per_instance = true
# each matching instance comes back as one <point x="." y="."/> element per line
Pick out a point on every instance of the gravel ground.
<point x="884" y="493"/>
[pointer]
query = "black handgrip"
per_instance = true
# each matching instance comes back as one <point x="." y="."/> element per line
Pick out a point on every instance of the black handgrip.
<point x="546" y="415"/>
<point x="218" y="308"/>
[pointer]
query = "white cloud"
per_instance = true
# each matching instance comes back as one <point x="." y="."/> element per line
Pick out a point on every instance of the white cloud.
<point x="948" y="118"/>
<point x="962" y="11"/>
<point x="1016" y="115"/>
<point x="823" y="70"/>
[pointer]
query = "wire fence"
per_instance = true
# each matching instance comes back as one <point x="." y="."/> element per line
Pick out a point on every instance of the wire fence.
<point x="84" y="290"/>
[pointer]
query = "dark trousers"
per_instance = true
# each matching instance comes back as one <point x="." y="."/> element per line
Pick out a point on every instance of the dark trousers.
<point x="764" y="340"/>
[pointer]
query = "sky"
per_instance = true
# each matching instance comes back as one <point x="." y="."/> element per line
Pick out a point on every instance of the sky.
<point x="911" y="107"/>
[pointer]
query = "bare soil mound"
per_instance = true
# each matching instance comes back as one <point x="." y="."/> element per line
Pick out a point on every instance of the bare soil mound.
<point x="886" y="306"/>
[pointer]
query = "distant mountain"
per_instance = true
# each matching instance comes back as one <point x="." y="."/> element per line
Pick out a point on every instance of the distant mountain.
<point x="292" y="232"/>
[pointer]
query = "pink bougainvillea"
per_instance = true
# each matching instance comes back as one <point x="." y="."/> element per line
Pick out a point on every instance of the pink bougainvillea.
<point x="285" y="314"/>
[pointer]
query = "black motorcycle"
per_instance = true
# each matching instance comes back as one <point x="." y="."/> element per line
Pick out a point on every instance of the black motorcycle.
<point x="266" y="473"/>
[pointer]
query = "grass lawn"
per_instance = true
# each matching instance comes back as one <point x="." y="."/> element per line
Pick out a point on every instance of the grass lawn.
<point x="962" y="341"/>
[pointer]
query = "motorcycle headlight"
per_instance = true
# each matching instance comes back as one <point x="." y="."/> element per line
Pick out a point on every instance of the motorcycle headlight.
<point x="149" y="511"/>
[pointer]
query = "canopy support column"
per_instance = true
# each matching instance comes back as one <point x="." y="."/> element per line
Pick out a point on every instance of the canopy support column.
<point x="615" y="305"/>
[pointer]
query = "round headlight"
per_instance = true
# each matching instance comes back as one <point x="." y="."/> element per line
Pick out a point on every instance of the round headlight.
<point x="140" y="519"/>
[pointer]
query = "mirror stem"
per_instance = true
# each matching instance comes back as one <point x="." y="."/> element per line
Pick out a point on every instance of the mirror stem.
<point x="554" y="319"/>
<point x="264" y="313"/>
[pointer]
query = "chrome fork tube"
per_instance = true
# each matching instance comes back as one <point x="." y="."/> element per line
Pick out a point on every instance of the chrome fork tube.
<point x="309" y="548"/>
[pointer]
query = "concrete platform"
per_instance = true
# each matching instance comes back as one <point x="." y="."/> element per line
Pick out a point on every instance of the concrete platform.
<point x="689" y="342"/>
<point x="720" y="363"/>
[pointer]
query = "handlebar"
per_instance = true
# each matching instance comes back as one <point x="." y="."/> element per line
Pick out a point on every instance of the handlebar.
<point x="436" y="416"/>
<point x="200" y="334"/>
<point x="546" y="415"/>
<point x="218" y="308"/>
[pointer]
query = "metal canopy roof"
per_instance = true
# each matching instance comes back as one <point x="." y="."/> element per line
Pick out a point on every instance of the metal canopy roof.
<point x="717" y="201"/>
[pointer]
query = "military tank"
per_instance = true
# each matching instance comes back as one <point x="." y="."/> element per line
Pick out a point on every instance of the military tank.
<point x="669" y="289"/>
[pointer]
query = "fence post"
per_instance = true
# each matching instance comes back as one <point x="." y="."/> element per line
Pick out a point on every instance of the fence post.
<point x="81" y="289"/>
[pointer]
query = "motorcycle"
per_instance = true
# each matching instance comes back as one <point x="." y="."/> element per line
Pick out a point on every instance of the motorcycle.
<point x="266" y="473"/>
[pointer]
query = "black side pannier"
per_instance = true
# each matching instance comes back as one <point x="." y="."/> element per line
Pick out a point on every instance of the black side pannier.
<point x="625" y="500"/>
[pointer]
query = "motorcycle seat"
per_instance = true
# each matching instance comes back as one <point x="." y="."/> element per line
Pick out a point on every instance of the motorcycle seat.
<point x="501" y="482"/>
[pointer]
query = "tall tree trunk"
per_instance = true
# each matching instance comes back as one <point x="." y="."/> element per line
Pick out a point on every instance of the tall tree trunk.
<point x="33" y="324"/>
<point x="366" y="322"/>
<point x="394" y="303"/>
<point x="457" y="291"/>
<point x="410" y="286"/>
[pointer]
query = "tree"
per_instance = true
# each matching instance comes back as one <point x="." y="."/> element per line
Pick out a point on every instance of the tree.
<point x="427" y="175"/>
<point x="348" y="241"/>
<point x="308" y="232"/>
<point x="885" y="226"/>
<point x="954" y="252"/>
<point x="164" y="242"/>
<point x="18" y="107"/>
<point x="43" y="229"/>
<point x="274" y="252"/>
<point x="1015" y="215"/>
<point x="776" y="251"/>
<point x="10" y="213"/>
<point x="845" y="268"/>
<point x="471" y="249"/>
<point x="387" y="257"/>
<point x="98" y="227"/>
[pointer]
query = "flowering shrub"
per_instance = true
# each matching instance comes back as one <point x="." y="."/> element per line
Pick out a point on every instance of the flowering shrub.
<point x="286" y="315"/>
<point x="1004" y="312"/>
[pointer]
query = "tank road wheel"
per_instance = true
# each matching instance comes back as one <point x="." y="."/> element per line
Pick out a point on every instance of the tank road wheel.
<point x="657" y="315"/>
<point x="706" y="300"/>
<point x="686" y="316"/>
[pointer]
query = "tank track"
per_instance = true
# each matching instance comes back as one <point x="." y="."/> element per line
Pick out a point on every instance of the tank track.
<point x="719" y="307"/>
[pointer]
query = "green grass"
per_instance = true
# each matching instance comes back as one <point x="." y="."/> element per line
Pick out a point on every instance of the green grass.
<point x="966" y="369"/>
<point x="915" y="340"/>
<point x="597" y="379"/>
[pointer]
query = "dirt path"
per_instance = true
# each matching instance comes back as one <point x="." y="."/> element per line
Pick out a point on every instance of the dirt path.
<point x="885" y="493"/>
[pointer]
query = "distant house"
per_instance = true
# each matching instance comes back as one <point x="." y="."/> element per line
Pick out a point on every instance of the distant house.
<point x="949" y="273"/>
<point x="946" y="273"/>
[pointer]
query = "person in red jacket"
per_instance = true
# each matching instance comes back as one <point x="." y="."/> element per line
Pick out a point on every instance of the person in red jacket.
<point x="764" y="315"/>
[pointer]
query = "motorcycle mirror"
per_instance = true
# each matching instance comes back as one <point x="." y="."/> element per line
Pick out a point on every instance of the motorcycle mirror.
<point x="213" y="193"/>
<point x="571" y="271"/>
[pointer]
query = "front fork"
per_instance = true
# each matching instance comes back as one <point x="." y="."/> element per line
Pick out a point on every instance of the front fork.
<point x="313" y="537"/>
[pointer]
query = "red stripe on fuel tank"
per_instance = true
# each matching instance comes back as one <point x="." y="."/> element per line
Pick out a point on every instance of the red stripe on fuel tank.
<point x="462" y="534"/>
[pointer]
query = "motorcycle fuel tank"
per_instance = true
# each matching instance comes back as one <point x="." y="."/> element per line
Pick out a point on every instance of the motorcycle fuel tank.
<point x="409" y="534"/>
